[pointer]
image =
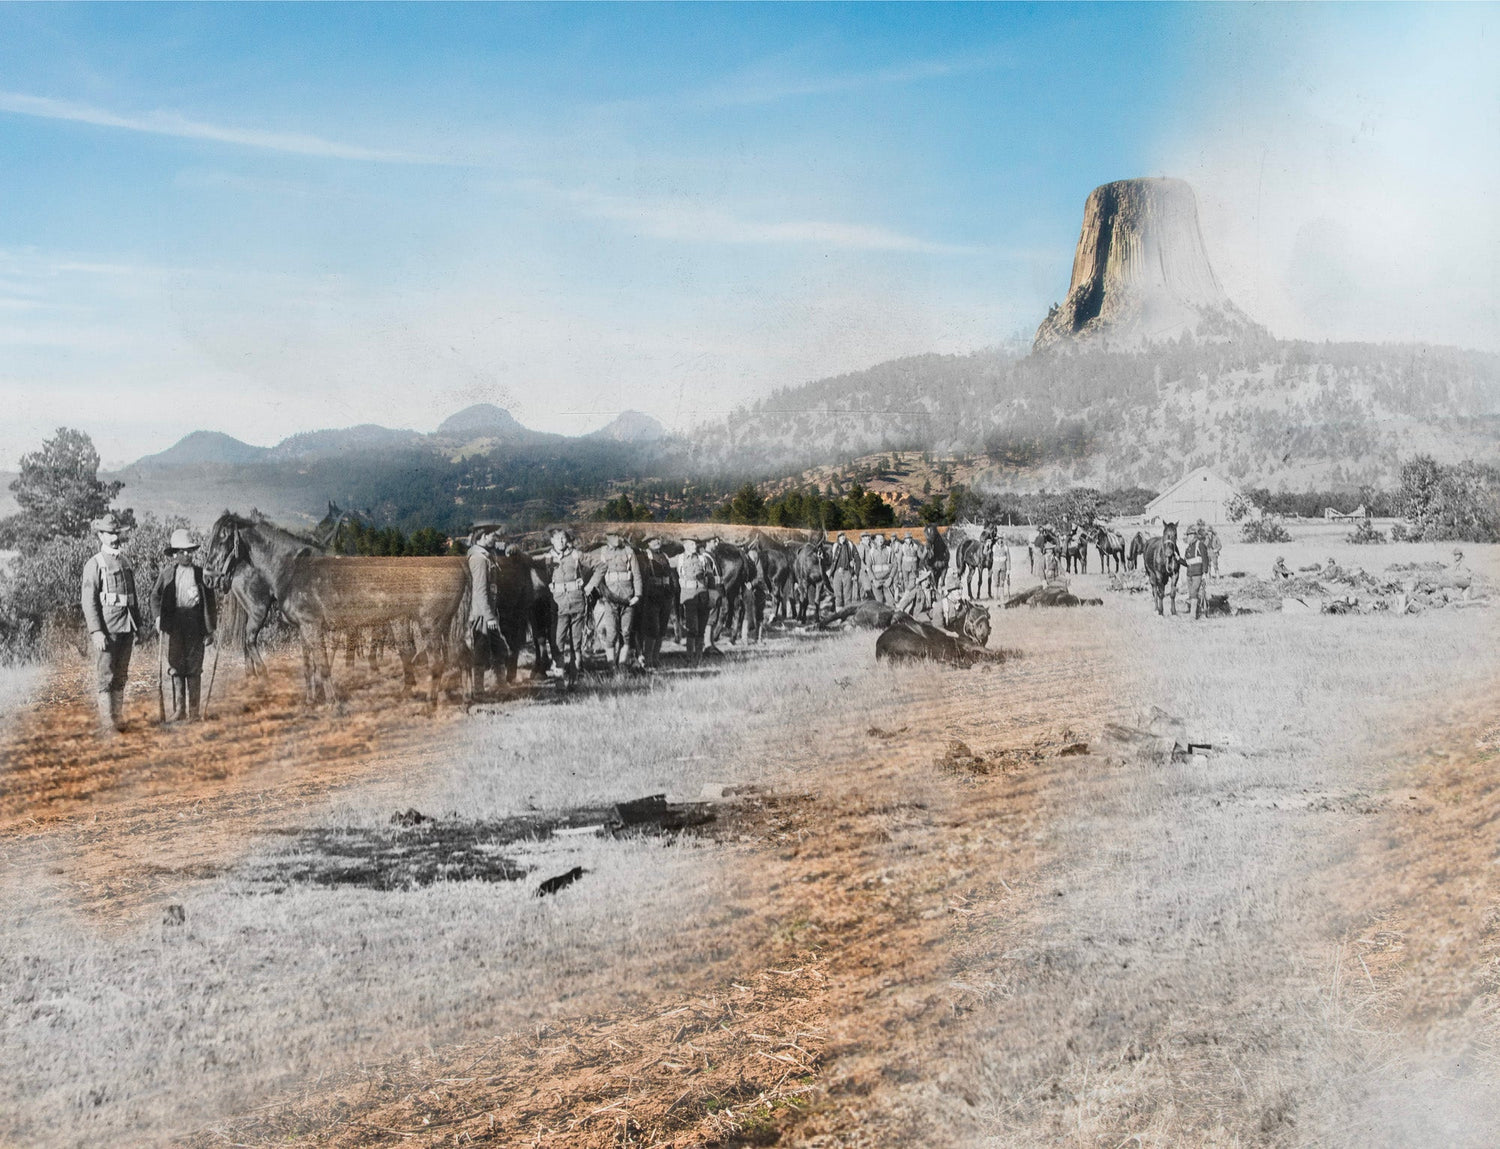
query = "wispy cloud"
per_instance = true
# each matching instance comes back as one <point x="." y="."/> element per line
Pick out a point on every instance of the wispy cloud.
<point x="680" y="219"/>
<point x="764" y="86"/>
<point x="165" y="123"/>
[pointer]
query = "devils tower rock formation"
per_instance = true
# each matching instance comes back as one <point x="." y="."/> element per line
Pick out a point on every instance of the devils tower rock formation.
<point x="1141" y="275"/>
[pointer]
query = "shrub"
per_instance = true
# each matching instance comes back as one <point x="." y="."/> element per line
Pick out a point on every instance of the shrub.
<point x="1266" y="529"/>
<point x="1366" y="533"/>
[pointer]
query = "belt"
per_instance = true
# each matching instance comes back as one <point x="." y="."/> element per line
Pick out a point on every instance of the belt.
<point x="568" y="584"/>
<point x="617" y="576"/>
<point x="110" y="598"/>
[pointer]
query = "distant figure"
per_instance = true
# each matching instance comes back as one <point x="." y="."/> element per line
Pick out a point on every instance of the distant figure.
<point x="1051" y="563"/>
<point x="113" y="617"/>
<point x="1196" y="560"/>
<point x="185" y="620"/>
<point x="1211" y="541"/>
<point x="1279" y="569"/>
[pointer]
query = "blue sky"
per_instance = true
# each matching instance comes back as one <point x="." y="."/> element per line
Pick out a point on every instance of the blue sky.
<point x="269" y="219"/>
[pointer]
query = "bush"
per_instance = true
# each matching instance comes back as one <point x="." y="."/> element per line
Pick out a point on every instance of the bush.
<point x="1399" y="533"/>
<point x="1266" y="529"/>
<point x="1366" y="533"/>
<point x="1457" y="503"/>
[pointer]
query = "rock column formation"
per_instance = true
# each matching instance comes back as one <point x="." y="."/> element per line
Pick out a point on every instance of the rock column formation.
<point x="1141" y="274"/>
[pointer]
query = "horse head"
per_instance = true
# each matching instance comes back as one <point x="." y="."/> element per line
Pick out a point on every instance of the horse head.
<point x="974" y="623"/>
<point x="225" y="550"/>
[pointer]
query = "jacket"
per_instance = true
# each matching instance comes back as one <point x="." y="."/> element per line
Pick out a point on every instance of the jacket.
<point x="482" y="589"/>
<point x="619" y="573"/>
<point x="567" y="579"/>
<point x="108" y="595"/>
<point x="164" y="599"/>
<point x="695" y="574"/>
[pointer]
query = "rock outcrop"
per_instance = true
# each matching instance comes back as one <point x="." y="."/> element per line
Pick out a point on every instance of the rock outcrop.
<point x="1141" y="274"/>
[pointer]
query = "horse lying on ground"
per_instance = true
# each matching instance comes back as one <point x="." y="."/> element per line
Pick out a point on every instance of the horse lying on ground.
<point x="907" y="640"/>
<point x="1047" y="595"/>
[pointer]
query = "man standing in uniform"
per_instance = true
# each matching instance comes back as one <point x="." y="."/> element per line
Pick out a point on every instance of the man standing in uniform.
<point x="566" y="582"/>
<point x="185" y="620"/>
<point x="1196" y="561"/>
<point x="842" y="576"/>
<point x="881" y="565"/>
<point x="908" y="559"/>
<point x="113" y="618"/>
<point x="696" y="574"/>
<point x="863" y="570"/>
<point x="485" y="641"/>
<point x="622" y="585"/>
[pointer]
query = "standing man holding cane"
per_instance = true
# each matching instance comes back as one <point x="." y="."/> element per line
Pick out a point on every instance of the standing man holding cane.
<point x="185" y="620"/>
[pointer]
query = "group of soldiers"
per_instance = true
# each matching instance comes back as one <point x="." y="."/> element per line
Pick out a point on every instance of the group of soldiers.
<point x="896" y="571"/>
<point x="182" y="602"/>
<point x="615" y="597"/>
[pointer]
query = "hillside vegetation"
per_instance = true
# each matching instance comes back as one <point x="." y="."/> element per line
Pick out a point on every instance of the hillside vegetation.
<point x="1269" y="413"/>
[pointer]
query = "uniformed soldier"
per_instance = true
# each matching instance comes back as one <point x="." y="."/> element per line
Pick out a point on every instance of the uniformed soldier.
<point x="186" y="617"/>
<point x="485" y="641"/>
<point x="862" y="552"/>
<point x="918" y="595"/>
<point x="696" y="575"/>
<point x="882" y="565"/>
<point x="1196" y="560"/>
<point x="953" y="598"/>
<point x="908" y="559"/>
<point x="1280" y="570"/>
<point x="113" y="617"/>
<point x="567" y="584"/>
<point x="621" y="585"/>
<point x="844" y="563"/>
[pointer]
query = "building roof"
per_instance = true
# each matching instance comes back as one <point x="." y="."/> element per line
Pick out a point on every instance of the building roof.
<point x="1197" y="483"/>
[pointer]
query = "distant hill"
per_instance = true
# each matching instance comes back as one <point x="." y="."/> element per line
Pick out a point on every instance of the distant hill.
<point x="482" y="420"/>
<point x="201" y="447"/>
<point x="631" y="427"/>
<point x="343" y="441"/>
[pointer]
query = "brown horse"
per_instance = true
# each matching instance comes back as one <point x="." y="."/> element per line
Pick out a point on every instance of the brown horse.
<point x="423" y="600"/>
<point x="1162" y="563"/>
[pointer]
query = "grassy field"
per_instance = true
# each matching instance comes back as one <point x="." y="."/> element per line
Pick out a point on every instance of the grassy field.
<point x="929" y="924"/>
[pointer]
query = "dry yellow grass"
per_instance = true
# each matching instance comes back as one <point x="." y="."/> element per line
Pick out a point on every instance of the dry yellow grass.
<point x="1100" y="949"/>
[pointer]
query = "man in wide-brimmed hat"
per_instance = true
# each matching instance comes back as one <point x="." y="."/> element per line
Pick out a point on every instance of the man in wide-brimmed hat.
<point x="621" y="584"/>
<point x="185" y="620"/>
<point x="486" y="645"/>
<point x="113" y="617"/>
<point x="1196" y="560"/>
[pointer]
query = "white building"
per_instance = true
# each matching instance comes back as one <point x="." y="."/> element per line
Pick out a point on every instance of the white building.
<point x="1201" y="494"/>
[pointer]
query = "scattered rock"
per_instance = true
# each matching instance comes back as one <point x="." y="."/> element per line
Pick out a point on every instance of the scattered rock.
<point x="175" y="915"/>
<point x="409" y="817"/>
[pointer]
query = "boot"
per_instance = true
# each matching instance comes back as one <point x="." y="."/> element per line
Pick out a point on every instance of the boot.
<point x="194" y="687"/>
<point x="117" y="709"/>
<point x="104" y="700"/>
<point x="179" y="698"/>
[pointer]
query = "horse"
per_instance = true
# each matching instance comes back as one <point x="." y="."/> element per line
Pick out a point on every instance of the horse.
<point x="732" y="609"/>
<point x="523" y="605"/>
<point x="1137" y="548"/>
<point x="975" y="560"/>
<point x="1076" y="551"/>
<point x="1162" y="563"/>
<point x="908" y="640"/>
<point x="774" y="569"/>
<point x="810" y="578"/>
<point x="1110" y="545"/>
<point x="247" y="607"/>
<point x="424" y="600"/>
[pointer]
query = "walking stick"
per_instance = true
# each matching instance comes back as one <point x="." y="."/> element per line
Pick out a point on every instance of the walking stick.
<point x="213" y="670"/>
<point x="161" y="655"/>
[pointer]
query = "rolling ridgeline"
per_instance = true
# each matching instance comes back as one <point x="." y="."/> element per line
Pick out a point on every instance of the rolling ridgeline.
<point x="1145" y="370"/>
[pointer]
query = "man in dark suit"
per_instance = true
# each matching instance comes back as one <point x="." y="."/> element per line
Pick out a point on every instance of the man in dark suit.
<point x="185" y="620"/>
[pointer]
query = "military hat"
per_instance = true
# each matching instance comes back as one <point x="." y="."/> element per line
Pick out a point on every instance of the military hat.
<point x="180" y="541"/>
<point x="109" y="523"/>
<point x="567" y="534"/>
<point x="690" y="539"/>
